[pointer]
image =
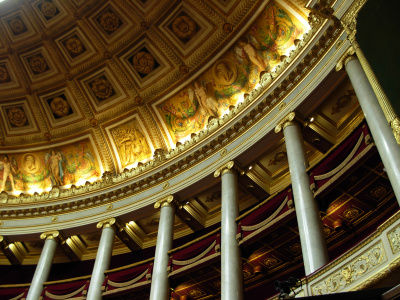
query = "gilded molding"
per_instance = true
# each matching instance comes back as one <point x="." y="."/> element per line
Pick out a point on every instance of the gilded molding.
<point x="371" y="282"/>
<point x="285" y="122"/>
<point x="354" y="270"/>
<point x="50" y="235"/>
<point x="106" y="223"/>
<point x="168" y="201"/>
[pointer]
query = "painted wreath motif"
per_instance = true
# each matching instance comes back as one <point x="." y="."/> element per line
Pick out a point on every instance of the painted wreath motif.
<point x="143" y="62"/>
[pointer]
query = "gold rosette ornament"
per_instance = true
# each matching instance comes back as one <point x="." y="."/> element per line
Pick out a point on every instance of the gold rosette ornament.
<point x="60" y="107"/>
<point x="38" y="64"/>
<point x="102" y="88"/>
<point x="184" y="27"/>
<point x="48" y="9"/>
<point x="109" y="21"/>
<point x="17" y="26"/>
<point x="74" y="46"/>
<point x="17" y="116"/>
<point x="143" y="62"/>
<point x="4" y="74"/>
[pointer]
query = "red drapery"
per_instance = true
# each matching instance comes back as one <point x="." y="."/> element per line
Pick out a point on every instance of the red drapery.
<point x="70" y="290"/>
<point x="10" y="293"/>
<point x="188" y="255"/>
<point x="274" y="207"/>
<point x="118" y="278"/>
<point x="347" y="152"/>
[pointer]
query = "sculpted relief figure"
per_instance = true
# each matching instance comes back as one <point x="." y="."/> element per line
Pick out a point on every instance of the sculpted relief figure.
<point x="131" y="143"/>
<point x="225" y="72"/>
<point x="9" y="168"/>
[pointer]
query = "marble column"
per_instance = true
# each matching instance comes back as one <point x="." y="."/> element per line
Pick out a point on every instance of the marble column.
<point x="382" y="134"/>
<point x="231" y="260"/>
<point x="103" y="258"/>
<point x="159" y="280"/>
<point x="44" y="265"/>
<point x="312" y="237"/>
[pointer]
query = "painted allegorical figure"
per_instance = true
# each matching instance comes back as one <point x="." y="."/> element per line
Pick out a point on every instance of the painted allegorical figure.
<point x="9" y="168"/>
<point x="54" y="161"/>
<point x="205" y="96"/>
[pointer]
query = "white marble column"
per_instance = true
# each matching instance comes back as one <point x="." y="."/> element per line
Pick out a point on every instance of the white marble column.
<point x="231" y="260"/>
<point x="312" y="237"/>
<point x="159" y="280"/>
<point x="44" y="265"/>
<point x="103" y="258"/>
<point x="381" y="131"/>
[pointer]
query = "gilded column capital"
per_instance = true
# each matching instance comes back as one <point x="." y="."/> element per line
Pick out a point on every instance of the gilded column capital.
<point x="230" y="166"/>
<point x="346" y="57"/>
<point x="50" y="235"/>
<point x="106" y="223"/>
<point x="168" y="201"/>
<point x="288" y="120"/>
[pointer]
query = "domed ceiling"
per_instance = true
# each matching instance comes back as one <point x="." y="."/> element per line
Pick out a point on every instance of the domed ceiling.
<point x="93" y="86"/>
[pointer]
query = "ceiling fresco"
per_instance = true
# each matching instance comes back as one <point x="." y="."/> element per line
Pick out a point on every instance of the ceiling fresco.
<point x="132" y="75"/>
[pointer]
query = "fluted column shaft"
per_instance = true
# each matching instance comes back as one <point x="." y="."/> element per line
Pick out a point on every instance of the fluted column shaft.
<point x="382" y="134"/>
<point x="103" y="258"/>
<point x="231" y="261"/>
<point x="312" y="237"/>
<point x="159" y="283"/>
<point x="44" y="265"/>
